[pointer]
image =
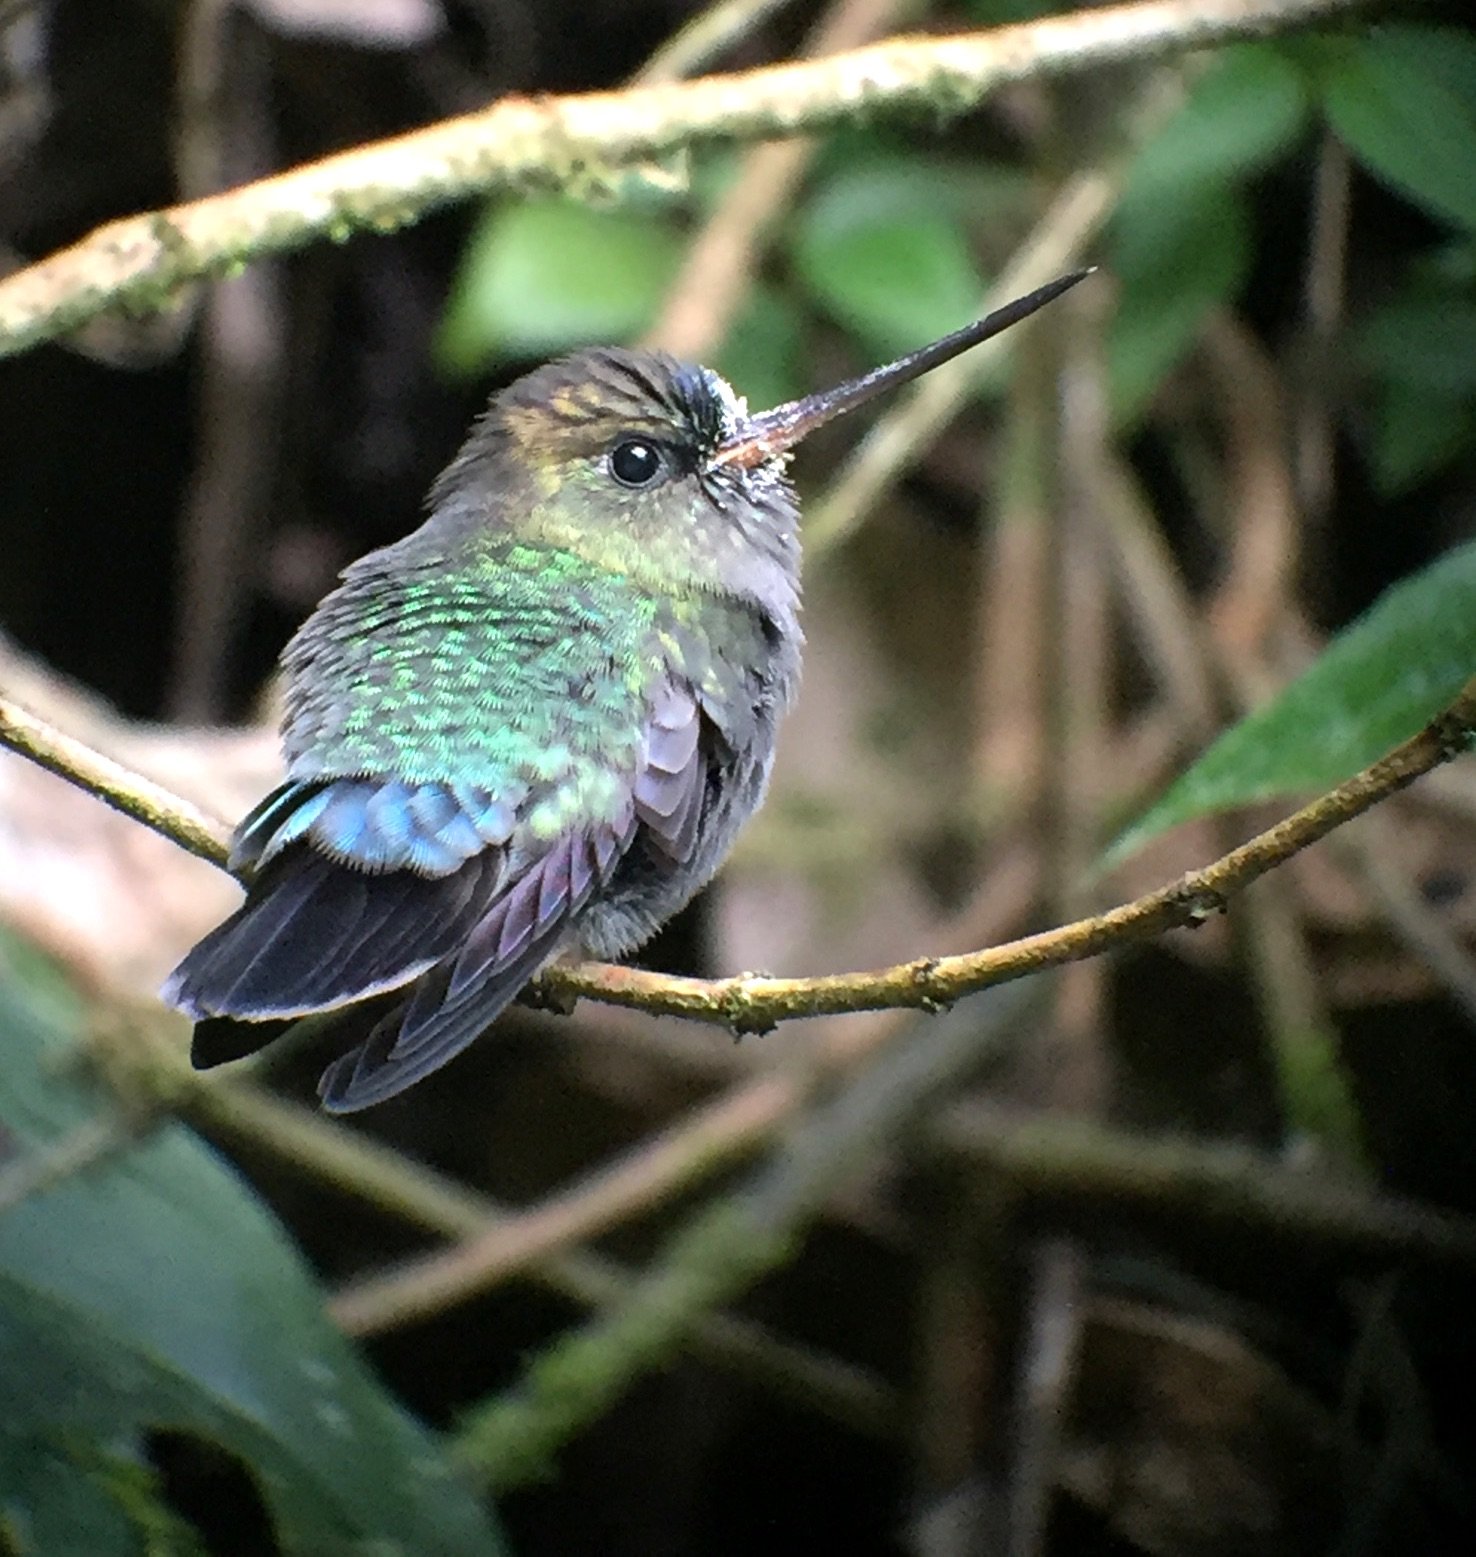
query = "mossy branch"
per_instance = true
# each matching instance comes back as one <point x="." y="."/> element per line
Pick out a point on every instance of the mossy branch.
<point x="580" y="143"/>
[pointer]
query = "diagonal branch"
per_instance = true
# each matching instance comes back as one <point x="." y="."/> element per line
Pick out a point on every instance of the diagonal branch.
<point x="748" y="1003"/>
<point x="579" y="142"/>
<point x="113" y="784"/>
<point x="753" y="1004"/>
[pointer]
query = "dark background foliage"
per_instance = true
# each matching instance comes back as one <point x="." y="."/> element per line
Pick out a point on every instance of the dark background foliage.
<point x="175" y="493"/>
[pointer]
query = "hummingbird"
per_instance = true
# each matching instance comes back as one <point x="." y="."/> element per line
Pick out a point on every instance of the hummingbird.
<point x="536" y="724"/>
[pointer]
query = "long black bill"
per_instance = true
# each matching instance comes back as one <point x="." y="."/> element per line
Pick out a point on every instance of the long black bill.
<point x="772" y="432"/>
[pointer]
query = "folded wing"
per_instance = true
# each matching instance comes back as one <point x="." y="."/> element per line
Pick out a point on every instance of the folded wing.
<point x="359" y="887"/>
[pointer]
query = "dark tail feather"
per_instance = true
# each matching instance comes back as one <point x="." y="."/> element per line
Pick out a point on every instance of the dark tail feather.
<point x="202" y="984"/>
<point x="220" y="1039"/>
<point x="379" y="1068"/>
<point x="313" y="935"/>
<point x="465" y="992"/>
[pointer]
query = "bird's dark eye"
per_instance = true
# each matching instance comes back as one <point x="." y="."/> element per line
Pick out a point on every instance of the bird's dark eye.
<point x="636" y="463"/>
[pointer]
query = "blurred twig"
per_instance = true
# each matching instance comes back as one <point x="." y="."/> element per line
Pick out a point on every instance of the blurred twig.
<point x="649" y="1177"/>
<point x="1254" y="607"/>
<point x="1071" y="1064"/>
<point x="1014" y="539"/>
<point x="1160" y="611"/>
<point x="1324" y="299"/>
<point x="1255" y="595"/>
<point x="1283" y="499"/>
<point x="1314" y="1089"/>
<point x="1092" y="1164"/>
<point x="223" y="83"/>
<point x="1422" y="928"/>
<point x="707" y="34"/>
<point x="575" y="142"/>
<point x="725" y="1248"/>
<point x="1049" y="1354"/>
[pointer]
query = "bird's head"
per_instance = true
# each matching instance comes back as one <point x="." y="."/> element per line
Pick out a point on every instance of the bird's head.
<point x="657" y="468"/>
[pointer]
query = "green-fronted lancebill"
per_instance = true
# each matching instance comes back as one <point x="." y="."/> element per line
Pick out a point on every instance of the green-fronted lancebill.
<point x="537" y="723"/>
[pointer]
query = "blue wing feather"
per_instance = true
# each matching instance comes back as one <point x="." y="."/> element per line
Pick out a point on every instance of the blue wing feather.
<point x="377" y="825"/>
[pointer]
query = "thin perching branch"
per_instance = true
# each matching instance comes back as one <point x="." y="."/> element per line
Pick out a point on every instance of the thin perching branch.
<point x="752" y="1004"/>
<point x="578" y="143"/>
<point x="113" y="784"/>
<point x="748" y="1003"/>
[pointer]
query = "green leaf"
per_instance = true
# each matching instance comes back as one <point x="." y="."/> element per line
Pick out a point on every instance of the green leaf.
<point x="1376" y="684"/>
<point x="540" y="277"/>
<point x="1243" y="112"/>
<point x="1403" y="99"/>
<point x="151" y="1292"/>
<point x="882" y="249"/>
<point x="1426" y="339"/>
<point x="1420" y="351"/>
<point x="1177" y="260"/>
<point x="1416" y="433"/>
<point x="1180" y="241"/>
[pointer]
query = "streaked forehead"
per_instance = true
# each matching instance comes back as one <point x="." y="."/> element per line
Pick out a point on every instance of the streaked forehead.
<point x="601" y="391"/>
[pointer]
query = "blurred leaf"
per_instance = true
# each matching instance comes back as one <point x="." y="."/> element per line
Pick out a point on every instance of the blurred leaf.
<point x="1180" y="240"/>
<point x="869" y="175"/>
<point x="1244" y="111"/>
<point x="1403" y="99"/>
<point x="1426" y="339"/>
<point x="1177" y="258"/>
<point x="761" y="356"/>
<point x="1420" y="349"/>
<point x="1316" y="1092"/>
<point x="542" y="277"/>
<point x="882" y="249"/>
<point x="151" y="1292"/>
<point x="1417" y="432"/>
<point x="1376" y="684"/>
